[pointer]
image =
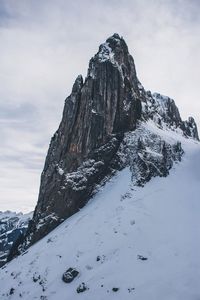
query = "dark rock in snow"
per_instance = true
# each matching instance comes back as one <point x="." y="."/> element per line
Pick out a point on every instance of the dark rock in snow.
<point x="69" y="275"/>
<point x="12" y="290"/>
<point x="98" y="258"/>
<point x="82" y="288"/>
<point x="43" y="297"/>
<point x="36" y="277"/>
<point x="142" y="257"/>
<point x="115" y="289"/>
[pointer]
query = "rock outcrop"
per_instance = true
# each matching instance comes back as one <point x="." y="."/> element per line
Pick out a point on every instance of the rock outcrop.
<point x="96" y="115"/>
<point x="93" y="139"/>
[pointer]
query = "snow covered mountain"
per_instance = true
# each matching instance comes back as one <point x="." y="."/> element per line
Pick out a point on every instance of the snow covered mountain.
<point x="120" y="183"/>
<point x="92" y="142"/>
<point x="12" y="227"/>
<point x="128" y="242"/>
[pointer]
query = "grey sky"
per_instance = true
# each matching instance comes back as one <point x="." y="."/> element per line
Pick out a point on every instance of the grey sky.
<point x="46" y="44"/>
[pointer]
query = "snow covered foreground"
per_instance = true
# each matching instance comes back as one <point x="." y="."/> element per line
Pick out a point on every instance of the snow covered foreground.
<point x="159" y="222"/>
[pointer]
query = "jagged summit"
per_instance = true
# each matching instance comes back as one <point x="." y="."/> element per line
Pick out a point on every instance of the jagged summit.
<point x="102" y="130"/>
<point x="111" y="49"/>
<point x="163" y="110"/>
<point x="115" y="51"/>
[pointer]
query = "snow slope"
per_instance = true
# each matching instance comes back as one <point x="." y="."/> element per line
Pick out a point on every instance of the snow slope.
<point x="159" y="222"/>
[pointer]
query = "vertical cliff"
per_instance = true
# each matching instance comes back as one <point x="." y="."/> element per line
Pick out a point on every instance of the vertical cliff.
<point x="99" y="110"/>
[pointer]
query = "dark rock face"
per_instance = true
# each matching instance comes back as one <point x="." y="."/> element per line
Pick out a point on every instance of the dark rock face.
<point x="93" y="139"/>
<point x="163" y="111"/>
<point x="95" y="117"/>
<point x="190" y="128"/>
<point x="151" y="157"/>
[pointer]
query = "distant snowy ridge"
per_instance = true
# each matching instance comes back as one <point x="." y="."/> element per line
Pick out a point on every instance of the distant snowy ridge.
<point x="12" y="226"/>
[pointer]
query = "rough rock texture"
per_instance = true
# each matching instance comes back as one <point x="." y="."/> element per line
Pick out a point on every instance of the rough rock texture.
<point x="91" y="142"/>
<point x="164" y="112"/>
<point x="148" y="155"/>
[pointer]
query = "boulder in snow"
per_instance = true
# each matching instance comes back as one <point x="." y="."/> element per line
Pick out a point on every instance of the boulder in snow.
<point x="69" y="275"/>
<point x="82" y="288"/>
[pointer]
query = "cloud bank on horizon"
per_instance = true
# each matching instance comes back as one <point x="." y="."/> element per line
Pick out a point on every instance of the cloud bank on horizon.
<point x="46" y="44"/>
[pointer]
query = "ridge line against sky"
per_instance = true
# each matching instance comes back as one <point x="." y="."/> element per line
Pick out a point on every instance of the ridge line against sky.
<point x="46" y="44"/>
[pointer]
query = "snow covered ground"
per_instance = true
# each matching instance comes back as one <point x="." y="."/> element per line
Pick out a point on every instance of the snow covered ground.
<point x="106" y="239"/>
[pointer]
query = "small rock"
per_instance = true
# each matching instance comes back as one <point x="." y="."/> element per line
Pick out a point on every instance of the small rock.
<point x="142" y="257"/>
<point x="82" y="288"/>
<point x="69" y="275"/>
<point x="101" y="258"/>
<point x="12" y="291"/>
<point x="36" y="277"/>
<point x="98" y="258"/>
<point x="115" y="289"/>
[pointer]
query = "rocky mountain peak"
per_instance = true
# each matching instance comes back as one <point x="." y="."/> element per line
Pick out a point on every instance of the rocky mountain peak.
<point x="102" y="130"/>
<point x="115" y="51"/>
<point x="77" y="84"/>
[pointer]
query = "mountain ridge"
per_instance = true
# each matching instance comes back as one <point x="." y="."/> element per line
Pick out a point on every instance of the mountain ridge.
<point x="90" y="145"/>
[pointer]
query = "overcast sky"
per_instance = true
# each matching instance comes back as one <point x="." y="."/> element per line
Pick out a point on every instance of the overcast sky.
<point x="45" y="44"/>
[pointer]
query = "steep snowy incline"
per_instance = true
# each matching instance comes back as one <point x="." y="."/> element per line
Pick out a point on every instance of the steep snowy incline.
<point x="141" y="241"/>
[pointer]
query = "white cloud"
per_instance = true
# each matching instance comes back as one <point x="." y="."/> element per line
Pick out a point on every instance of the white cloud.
<point x="46" y="44"/>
